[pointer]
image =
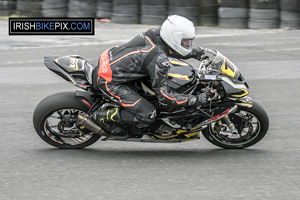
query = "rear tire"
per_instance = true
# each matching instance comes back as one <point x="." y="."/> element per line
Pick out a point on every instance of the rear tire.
<point x="47" y="111"/>
<point x="259" y="126"/>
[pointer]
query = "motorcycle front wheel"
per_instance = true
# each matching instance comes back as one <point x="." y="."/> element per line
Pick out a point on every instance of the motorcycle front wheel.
<point x="252" y="124"/>
<point x="55" y="121"/>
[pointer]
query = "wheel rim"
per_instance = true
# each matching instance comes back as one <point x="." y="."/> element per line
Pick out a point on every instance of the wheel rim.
<point x="62" y="127"/>
<point x="248" y="129"/>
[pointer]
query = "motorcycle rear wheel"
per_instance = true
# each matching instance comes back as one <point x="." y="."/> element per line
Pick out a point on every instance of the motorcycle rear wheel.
<point x="55" y="117"/>
<point x="252" y="124"/>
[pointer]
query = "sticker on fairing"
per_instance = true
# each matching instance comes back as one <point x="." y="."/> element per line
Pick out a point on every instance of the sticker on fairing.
<point x="73" y="63"/>
<point x="210" y="77"/>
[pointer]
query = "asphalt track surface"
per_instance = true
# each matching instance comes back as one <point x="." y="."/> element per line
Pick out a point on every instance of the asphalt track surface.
<point x="31" y="169"/>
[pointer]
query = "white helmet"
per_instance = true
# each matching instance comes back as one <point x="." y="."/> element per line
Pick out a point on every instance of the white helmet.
<point x="178" y="32"/>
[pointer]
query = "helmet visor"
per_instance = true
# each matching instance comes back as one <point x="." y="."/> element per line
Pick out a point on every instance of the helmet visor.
<point x="187" y="43"/>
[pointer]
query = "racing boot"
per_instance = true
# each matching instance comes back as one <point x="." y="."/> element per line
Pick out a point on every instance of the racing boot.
<point x="109" y="119"/>
<point x="137" y="126"/>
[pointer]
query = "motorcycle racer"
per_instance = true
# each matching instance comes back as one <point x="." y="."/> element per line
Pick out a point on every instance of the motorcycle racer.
<point x="146" y="55"/>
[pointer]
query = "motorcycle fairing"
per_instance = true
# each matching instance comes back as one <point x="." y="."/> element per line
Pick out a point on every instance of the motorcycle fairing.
<point x="73" y="69"/>
<point x="181" y="135"/>
<point x="245" y="101"/>
<point x="233" y="89"/>
<point x="217" y="117"/>
<point x="180" y="75"/>
<point x="50" y="64"/>
<point x="206" y="115"/>
<point x="178" y="137"/>
<point x="180" y="70"/>
<point x="152" y="139"/>
<point x="76" y="65"/>
<point x="71" y="63"/>
<point x="175" y="62"/>
<point x="228" y="68"/>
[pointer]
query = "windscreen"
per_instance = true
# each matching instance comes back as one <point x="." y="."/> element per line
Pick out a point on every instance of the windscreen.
<point x="221" y="65"/>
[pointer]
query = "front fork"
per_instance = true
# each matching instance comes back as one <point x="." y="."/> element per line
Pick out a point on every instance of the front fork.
<point x="244" y="101"/>
<point x="230" y="125"/>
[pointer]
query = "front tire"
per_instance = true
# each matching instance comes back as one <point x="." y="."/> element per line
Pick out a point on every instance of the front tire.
<point x="54" y="120"/>
<point x="252" y="124"/>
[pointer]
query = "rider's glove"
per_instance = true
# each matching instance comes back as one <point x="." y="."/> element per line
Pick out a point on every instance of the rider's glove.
<point x="203" y="99"/>
<point x="195" y="53"/>
<point x="198" y="53"/>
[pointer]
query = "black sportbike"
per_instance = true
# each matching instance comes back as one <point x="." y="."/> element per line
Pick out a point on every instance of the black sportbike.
<point x="231" y="119"/>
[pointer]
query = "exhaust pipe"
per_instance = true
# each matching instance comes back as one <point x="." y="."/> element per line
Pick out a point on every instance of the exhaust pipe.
<point x="90" y="124"/>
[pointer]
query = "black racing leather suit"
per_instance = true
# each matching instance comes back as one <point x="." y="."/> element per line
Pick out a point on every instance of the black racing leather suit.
<point x="145" y="55"/>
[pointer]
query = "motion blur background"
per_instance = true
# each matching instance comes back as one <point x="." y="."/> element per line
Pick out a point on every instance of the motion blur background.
<point x="253" y="14"/>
